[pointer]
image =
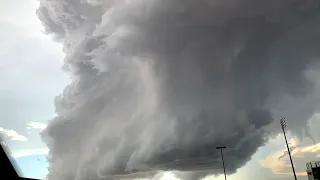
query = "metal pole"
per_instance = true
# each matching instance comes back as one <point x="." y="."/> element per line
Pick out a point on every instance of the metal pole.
<point x="283" y="125"/>
<point x="224" y="168"/>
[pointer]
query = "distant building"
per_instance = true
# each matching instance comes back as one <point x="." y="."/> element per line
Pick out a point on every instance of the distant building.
<point x="313" y="170"/>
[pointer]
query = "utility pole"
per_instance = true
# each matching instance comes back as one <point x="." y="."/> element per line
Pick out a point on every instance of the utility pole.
<point x="224" y="168"/>
<point x="283" y="126"/>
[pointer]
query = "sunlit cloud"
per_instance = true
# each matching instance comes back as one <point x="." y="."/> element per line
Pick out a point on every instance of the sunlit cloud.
<point x="169" y="176"/>
<point x="312" y="148"/>
<point x="272" y="162"/>
<point x="300" y="155"/>
<point x="12" y="134"/>
<point x="290" y="173"/>
<point x="36" y="125"/>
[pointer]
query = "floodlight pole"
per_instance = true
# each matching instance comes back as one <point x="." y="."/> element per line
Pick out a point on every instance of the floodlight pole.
<point x="283" y="126"/>
<point x="224" y="168"/>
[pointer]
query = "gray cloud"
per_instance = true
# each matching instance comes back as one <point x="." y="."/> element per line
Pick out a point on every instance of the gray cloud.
<point x="157" y="85"/>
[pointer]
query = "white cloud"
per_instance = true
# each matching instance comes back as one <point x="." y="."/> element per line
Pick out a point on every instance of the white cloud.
<point x="3" y="143"/>
<point x="36" y="125"/>
<point x="12" y="134"/>
<point x="29" y="152"/>
<point x="300" y="155"/>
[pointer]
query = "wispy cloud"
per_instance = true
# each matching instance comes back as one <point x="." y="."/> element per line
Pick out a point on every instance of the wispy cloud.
<point x="29" y="152"/>
<point x="13" y="135"/>
<point x="36" y="125"/>
<point x="301" y="150"/>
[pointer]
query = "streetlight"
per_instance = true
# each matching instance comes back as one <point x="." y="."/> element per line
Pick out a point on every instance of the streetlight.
<point x="283" y="126"/>
<point x="224" y="169"/>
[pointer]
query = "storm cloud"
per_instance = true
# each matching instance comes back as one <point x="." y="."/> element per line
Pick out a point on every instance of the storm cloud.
<point x="158" y="84"/>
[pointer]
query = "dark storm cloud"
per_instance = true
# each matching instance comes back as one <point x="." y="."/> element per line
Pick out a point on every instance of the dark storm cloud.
<point x="157" y="85"/>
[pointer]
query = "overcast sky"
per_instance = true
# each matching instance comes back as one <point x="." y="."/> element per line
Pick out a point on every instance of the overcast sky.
<point x="31" y="77"/>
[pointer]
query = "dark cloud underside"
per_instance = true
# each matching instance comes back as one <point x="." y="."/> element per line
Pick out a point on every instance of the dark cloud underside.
<point x="157" y="85"/>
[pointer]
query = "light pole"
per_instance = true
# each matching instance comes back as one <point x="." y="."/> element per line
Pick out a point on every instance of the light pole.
<point x="283" y="126"/>
<point x="224" y="168"/>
